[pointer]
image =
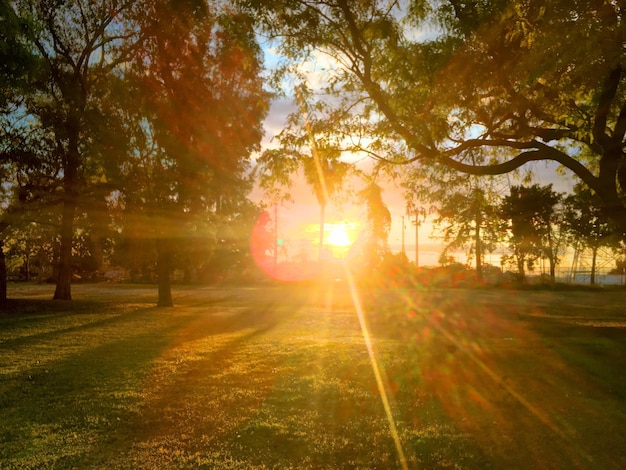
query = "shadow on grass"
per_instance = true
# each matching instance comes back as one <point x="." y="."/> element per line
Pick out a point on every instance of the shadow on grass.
<point x="37" y="320"/>
<point x="93" y="397"/>
<point x="237" y="379"/>
<point x="521" y="371"/>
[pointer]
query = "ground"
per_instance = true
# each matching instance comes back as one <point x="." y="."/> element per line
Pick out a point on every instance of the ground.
<point x="286" y="377"/>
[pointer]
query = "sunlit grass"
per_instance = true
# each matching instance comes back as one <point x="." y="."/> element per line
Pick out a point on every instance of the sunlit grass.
<point x="280" y="377"/>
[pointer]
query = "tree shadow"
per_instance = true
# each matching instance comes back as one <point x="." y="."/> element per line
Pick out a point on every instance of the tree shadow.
<point x="119" y="381"/>
<point x="531" y="387"/>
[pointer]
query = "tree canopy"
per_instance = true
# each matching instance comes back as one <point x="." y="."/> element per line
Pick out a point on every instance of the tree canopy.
<point x="156" y="101"/>
<point x="200" y="107"/>
<point x="480" y="87"/>
<point x="586" y="225"/>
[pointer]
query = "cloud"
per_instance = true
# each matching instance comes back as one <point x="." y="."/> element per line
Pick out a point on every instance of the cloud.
<point x="276" y="118"/>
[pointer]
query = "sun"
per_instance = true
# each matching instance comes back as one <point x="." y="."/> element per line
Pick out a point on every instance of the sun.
<point x="338" y="235"/>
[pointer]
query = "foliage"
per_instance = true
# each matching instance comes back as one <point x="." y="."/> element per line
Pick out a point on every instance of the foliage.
<point x="67" y="115"/>
<point x="620" y="266"/>
<point x="479" y="87"/>
<point x="374" y="243"/>
<point x="18" y="68"/>
<point x="585" y="222"/>
<point x="531" y="212"/>
<point x="587" y="225"/>
<point x="230" y="259"/>
<point x="30" y="250"/>
<point x="467" y="214"/>
<point x="200" y="106"/>
<point x="94" y="95"/>
<point x="16" y="60"/>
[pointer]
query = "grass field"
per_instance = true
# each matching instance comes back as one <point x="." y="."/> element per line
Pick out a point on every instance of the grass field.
<point x="282" y="377"/>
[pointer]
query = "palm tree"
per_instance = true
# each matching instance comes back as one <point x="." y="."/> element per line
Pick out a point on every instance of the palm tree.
<point x="325" y="173"/>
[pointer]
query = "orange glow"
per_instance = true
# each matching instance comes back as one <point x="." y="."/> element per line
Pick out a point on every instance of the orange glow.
<point x="338" y="235"/>
<point x="290" y="252"/>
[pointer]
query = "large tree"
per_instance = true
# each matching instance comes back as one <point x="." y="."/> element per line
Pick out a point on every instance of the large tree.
<point x="186" y="74"/>
<point x="68" y="106"/>
<point x="201" y="103"/>
<point x="449" y="82"/>
<point x="17" y="65"/>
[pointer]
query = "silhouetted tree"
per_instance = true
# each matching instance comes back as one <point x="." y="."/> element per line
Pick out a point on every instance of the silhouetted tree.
<point x="375" y="243"/>
<point x="503" y="82"/>
<point x="68" y="108"/>
<point x="587" y="225"/>
<point x="531" y="211"/>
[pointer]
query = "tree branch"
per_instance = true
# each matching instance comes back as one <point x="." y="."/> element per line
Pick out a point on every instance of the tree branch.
<point x="537" y="151"/>
<point x="620" y="126"/>
<point x="609" y="91"/>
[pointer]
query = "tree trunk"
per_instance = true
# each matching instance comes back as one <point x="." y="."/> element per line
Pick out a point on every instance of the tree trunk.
<point x="479" y="251"/>
<point x="64" y="277"/>
<point x="70" y="201"/>
<point x="3" y="278"/>
<point x="520" y="267"/>
<point x="164" y="268"/>
<point x="594" y="255"/>
<point x="27" y="263"/>
<point x="552" y="255"/>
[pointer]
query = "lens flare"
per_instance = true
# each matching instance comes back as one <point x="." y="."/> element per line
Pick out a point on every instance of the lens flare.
<point x="376" y="370"/>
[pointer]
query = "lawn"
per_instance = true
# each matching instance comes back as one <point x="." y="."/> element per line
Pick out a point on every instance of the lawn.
<point x="282" y="377"/>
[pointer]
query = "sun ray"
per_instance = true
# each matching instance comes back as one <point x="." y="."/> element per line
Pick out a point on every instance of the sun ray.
<point x="541" y="415"/>
<point x="377" y="374"/>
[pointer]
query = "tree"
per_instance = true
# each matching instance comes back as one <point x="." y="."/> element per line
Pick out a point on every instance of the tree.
<point x="30" y="249"/>
<point x="471" y="219"/>
<point x="91" y="56"/>
<point x="323" y="168"/>
<point x="231" y="257"/>
<point x="201" y="101"/>
<point x="534" y="82"/>
<point x="68" y="107"/>
<point x="29" y="199"/>
<point x="324" y="172"/>
<point x="375" y="244"/>
<point x="17" y="64"/>
<point x="467" y="209"/>
<point x="587" y="225"/>
<point x="530" y="211"/>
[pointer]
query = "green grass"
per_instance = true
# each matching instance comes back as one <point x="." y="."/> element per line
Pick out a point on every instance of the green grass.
<point x="280" y="377"/>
